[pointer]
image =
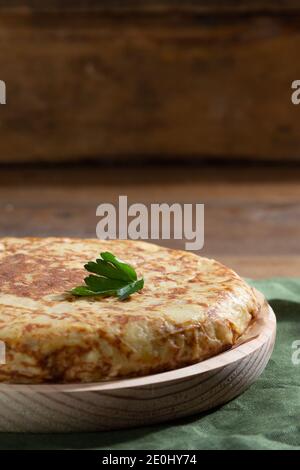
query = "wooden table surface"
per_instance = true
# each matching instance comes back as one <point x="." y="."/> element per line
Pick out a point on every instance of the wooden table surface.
<point x="252" y="213"/>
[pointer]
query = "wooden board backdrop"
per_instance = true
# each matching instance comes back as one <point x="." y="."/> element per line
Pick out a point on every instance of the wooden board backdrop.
<point x="93" y="79"/>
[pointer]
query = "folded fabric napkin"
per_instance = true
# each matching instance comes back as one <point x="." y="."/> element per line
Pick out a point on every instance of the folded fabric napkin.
<point x="266" y="416"/>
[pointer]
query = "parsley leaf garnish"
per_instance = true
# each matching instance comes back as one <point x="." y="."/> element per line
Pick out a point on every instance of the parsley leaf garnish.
<point x="110" y="277"/>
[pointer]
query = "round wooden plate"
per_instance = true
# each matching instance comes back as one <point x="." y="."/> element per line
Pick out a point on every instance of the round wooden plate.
<point x="144" y="400"/>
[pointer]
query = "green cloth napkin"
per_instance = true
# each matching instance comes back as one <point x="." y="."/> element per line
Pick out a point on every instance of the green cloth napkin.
<point x="266" y="416"/>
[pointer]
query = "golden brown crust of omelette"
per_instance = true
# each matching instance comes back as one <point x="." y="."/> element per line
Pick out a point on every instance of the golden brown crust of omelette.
<point x="191" y="308"/>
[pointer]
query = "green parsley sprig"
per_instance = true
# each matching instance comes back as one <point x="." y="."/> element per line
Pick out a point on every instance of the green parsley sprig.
<point x="110" y="277"/>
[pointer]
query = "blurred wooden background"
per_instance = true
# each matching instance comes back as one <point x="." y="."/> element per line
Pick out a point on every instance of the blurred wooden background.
<point x="151" y="94"/>
<point x="103" y="79"/>
<point x="252" y="213"/>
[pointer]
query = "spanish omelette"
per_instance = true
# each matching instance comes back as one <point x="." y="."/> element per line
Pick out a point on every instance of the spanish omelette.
<point x="191" y="308"/>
